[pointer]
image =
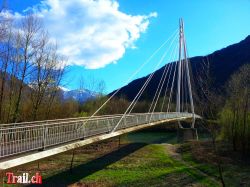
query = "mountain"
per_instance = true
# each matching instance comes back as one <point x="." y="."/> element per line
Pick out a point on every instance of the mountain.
<point x="81" y="95"/>
<point x="223" y="63"/>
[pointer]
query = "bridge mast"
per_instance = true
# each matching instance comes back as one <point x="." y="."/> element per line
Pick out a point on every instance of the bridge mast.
<point x="178" y="97"/>
<point x="183" y="65"/>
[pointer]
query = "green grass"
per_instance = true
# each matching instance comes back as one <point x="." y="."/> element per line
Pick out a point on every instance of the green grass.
<point x="149" y="165"/>
<point x="143" y="160"/>
<point x="235" y="174"/>
<point x="137" y="164"/>
<point x="209" y="169"/>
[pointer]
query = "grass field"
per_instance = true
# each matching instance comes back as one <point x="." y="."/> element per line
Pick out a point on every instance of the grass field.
<point x="142" y="159"/>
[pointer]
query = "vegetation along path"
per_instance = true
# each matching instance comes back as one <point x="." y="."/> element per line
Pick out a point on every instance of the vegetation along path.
<point x="143" y="159"/>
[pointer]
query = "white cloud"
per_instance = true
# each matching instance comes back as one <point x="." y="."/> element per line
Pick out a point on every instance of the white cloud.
<point x="92" y="33"/>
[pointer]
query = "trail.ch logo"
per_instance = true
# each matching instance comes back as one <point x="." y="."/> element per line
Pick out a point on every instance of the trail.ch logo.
<point x="23" y="179"/>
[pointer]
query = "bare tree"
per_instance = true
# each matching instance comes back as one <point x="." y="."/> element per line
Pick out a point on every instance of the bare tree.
<point x="31" y="70"/>
<point x="6" y="36"/>
<point x="44" y="66"/>
<point x="93" y="84"/>
<point x="235" y="114"/>
<point x="55" y="82"/>
<point x="13" y="82"/>
<point x="29" y="31"/>
<point x="209" y="102"/>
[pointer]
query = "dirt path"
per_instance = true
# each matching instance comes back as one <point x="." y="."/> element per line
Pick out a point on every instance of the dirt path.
<point x="172" y="151"/>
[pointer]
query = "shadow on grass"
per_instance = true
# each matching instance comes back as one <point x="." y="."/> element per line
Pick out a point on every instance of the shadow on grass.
<point x="177" y="178"/>
<point x="81" y="171"/>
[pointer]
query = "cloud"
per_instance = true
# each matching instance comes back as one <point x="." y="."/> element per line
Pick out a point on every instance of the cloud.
<point x="91" y="33"/>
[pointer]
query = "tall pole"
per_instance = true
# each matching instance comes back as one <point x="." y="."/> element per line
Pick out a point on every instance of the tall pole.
<point x="188" y="78"/>
<point x="178" y="97"/>
<point x="179" y="70"/>
<point x="181" y="67"/>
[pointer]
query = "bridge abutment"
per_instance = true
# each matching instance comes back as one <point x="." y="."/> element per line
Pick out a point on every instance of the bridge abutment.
<point x="186" y="134"/>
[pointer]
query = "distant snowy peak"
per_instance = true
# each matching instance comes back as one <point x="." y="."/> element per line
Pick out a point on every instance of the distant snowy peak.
<point x="81" y="95"/>
<point x="64" y="89"/>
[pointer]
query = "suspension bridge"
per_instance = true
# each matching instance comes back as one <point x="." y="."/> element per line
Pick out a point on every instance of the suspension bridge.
<point x="21" y="143"/>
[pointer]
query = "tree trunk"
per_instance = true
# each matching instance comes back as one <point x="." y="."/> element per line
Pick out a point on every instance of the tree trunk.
<point x="244" y="139"/>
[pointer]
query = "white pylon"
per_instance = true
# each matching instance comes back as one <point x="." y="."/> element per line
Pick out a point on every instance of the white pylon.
<point x="183" y="65"/>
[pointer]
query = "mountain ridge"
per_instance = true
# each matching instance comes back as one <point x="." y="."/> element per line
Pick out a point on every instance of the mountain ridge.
<point x="223" y="63"/>
<point x="80" y="95"/>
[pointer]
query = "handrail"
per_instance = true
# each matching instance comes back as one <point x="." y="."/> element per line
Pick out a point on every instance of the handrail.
<point x="24" y="138"/>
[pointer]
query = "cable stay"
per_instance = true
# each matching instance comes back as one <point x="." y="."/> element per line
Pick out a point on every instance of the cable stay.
<point x="175" y="79"/>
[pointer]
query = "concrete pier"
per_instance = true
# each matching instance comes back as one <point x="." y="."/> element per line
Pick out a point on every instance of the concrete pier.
<point x="186" y="134"/>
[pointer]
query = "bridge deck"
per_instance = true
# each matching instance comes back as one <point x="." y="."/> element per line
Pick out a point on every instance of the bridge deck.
<point x="20" y="143"/>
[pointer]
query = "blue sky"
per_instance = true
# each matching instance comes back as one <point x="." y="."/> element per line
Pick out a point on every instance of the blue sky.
<point x="209" y="26"/>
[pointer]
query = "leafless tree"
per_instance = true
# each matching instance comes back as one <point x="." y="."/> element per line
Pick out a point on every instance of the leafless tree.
<point x="44" y="76"/>
<point x="29" y="32"/>
<point x="209" y="102"/>
<point x="235" y="114"/>
<point x="93" y="84"/>
<point x="57" y="75"/>
<point x="6" y="36"/>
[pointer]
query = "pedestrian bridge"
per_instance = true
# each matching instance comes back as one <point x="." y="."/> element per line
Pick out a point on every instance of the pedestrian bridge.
<point x="26" y="142"/>
<point x="22" y="143"/>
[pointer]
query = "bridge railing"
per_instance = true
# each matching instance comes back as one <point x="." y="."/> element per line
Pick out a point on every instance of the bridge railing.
<point x="27" y="137"/>
<point x="8" y="125"/>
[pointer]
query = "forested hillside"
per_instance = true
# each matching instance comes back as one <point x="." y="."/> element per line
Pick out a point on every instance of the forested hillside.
<point x="222" y="64"/>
